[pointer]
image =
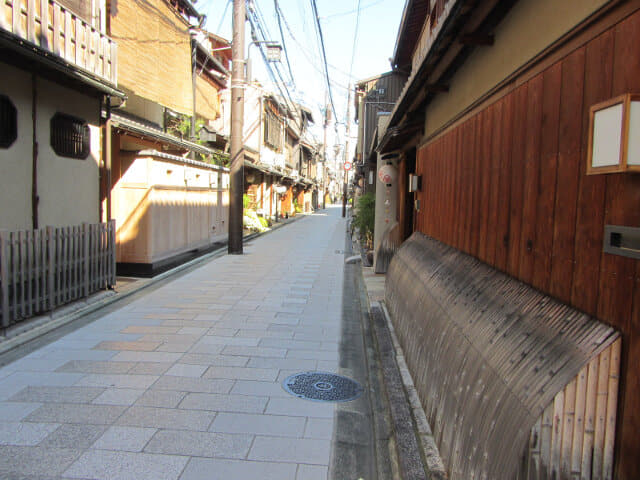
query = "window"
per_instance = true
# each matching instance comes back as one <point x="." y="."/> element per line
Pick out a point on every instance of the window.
<point x="70" y="136"/>
<point x="8" y="122"/>
<point x="272" y="131"/>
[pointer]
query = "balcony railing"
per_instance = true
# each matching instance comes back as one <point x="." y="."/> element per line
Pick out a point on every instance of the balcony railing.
<point x="55" y="29"/>
<point x="440" y="10"/>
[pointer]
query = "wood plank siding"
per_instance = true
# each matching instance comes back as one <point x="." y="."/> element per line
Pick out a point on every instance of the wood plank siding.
<point x="508" y="185"/>
<point x="154" y="49"/>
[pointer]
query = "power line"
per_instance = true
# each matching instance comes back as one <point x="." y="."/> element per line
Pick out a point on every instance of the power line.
<point x="358" y="10"/>
<point x="324" y="54"/>
<point x="284" y="46"/>
<point x="224" y="14"/>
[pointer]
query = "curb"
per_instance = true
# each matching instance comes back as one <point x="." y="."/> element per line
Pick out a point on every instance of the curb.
<point x="39" y="326"/>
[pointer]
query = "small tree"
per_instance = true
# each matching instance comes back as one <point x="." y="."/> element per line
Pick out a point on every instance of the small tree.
<point x="364" y="217"/>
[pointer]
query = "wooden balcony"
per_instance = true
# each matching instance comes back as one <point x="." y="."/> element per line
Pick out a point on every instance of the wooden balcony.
<point x="438" y="15"/>
<point x="57" y="30"/>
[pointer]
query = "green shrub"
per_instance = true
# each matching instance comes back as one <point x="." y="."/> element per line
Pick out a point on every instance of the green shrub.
<point x="364" y="215"/>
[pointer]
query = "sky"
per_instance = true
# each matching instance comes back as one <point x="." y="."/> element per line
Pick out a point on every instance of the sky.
<point x="377" y="27"/>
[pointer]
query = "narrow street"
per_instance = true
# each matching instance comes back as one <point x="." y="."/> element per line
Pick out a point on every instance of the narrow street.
<point x="185" y="380"/>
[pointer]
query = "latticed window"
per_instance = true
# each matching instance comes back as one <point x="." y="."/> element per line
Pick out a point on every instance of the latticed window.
<point x="70" y="136"/>
<point x="8" y="122"/>
<point x="272" y="131"/>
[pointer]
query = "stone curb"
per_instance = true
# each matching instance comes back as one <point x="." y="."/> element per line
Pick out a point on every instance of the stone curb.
<point x="38" y="326"/>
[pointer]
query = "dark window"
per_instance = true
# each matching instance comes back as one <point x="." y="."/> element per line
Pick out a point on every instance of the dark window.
<point x="8" y="122"/>
<point x="70" y="136"/>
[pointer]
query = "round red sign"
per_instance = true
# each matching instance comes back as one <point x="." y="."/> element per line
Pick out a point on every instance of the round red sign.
<point x="347" y="165"/>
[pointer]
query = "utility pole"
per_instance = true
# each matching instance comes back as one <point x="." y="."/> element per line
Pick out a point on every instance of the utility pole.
<point x="346" y="155"/>
<point x="236" y="183"/>
<point x="324" y="149"/>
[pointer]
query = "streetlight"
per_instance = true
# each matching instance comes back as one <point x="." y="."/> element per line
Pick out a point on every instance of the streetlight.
<point x="274" y="54"/>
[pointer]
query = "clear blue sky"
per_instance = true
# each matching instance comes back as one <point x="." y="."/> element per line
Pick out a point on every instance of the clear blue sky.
<point x="378" y="26"/>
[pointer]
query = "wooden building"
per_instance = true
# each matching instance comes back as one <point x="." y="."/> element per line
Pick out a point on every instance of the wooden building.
<point x="499" y="120"/>
<point x="168" y="190"/>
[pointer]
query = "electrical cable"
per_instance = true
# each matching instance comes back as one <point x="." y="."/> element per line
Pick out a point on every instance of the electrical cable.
<point x="284" y="46"/>
<point x="324" y="54"/>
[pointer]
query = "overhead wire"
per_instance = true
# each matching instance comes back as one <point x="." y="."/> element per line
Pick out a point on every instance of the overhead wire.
<point x="314" y="8"/>
<point x="284" y="46"/>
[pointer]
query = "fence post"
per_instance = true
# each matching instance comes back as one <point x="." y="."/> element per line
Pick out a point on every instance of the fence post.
<point x="112" y="252"/>
<point x="51" y="263"/>
<point x="85" y="258"/>
<point x="4" y="278"/>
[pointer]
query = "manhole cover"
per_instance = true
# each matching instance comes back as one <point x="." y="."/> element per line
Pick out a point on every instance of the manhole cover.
<point x="322" y="387"/>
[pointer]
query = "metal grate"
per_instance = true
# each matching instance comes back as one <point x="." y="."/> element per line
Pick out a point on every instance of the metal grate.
<point x="322" y="387"/>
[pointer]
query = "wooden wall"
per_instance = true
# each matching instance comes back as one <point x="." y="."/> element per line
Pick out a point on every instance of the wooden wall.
<point x="154" y="52"/>
<point x="509" y="187"/>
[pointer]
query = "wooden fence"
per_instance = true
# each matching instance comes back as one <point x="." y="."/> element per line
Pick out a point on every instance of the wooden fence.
<point x="43" y="269"/>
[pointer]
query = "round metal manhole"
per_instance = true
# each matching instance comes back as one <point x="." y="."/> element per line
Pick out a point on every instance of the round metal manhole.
<point x="322" y="387"/>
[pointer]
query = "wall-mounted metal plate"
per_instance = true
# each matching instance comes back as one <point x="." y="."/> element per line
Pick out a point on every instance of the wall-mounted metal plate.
<point x="624" y="241"/>
<point x="322" y="387"/>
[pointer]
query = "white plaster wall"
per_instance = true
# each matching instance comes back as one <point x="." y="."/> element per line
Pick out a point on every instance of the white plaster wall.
<point x="68" y="188"/>
<point x="16" y="161"/>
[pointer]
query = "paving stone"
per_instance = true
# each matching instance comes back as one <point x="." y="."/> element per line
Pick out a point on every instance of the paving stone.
<point x="166" y="338"/>
<point x="119" y="396"/>
<point x="221" y="340"/>
<point x="277" y="425"/>
<point x="254" y="351"/>
<point x="176" y="419"/>
<point x="160" y="398"/>
<point x="32" y="365"/>
<point x="57" y="394"/>
<point x="299" y="407"/>
<point x="312" y="354"/>
<point x="149" y="368"/>
<point x="175" y="347"/>
<point x="214" y="360"/>
<point x="92" y="366"/>
<point x="73" y="436"/>
<point x="283" y="363"/>
<point x="260" y="389"/>
<point x="109" y="465"/>
<point x="241" y="373"/>
<point x="32" y="461"/>
<point x="263" y="333"/>
<point x="319" y="428"/>
<point x="295" y="450"/>
<point x="23" y="433"/>
<point x="200" y="444"/>
<point x="128" y="439"/>
<point x="118" y="381"/>
<point x="223" y="403"/>
<point x="138" y="346"/>
<point x="221" y="469"/>
<point x="150" y="329"/>
<point x="192" y="331"/>
<point x="185" y="370"/>
<point x="78" y="355"/>
<point x="153" y="357"/>
<point x="76" y="413"/>
<point x="312" y="472"/>
<point x="199" y="385"/>
<point x="16" y="411"/>
<point x="206" y="348"/>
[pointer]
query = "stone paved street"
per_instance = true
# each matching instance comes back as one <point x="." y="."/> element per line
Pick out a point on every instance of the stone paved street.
<point x="184" y="381"/>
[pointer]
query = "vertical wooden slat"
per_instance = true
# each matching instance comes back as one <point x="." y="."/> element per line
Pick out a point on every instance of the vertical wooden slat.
<point x="29" y="272"/>
<point x="21" y="277"/>
<point x="578" y="422"/>
<point x="4" y="277"/>
<point x="112" y="251"/>
<point x="612" y="407"/>
<point x="15" y="19"/>
<point x="68" y="28"/>
<point x="590" y="417"/>
<point x="56" y="29"/>
<point x="528" y="240"/>
<point x="601" y="413"/>
<point x="517" y="179"/>
<point x="556" y="435"/>
<point x="504" y="194"/>
<point x="567" y="429"/>
<point x="31" y="21"/>
<point x="113" y="62"/>
<point x="545" y="439"/>
<point x="44" y="24"/>
<point x="85" y="259"/>
<point x="548" y="173"/>
<point x="50" y="262"/>
<point x="78" y="40"/>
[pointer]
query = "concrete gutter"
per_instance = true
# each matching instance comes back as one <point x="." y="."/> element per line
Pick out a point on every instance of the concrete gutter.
<point x="416" y="450"/>
<point x="33" y="328"/>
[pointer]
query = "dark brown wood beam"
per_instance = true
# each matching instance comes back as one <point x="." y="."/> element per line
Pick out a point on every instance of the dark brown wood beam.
<point x="437" y="88"/>
<point x="477" y="40"/>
